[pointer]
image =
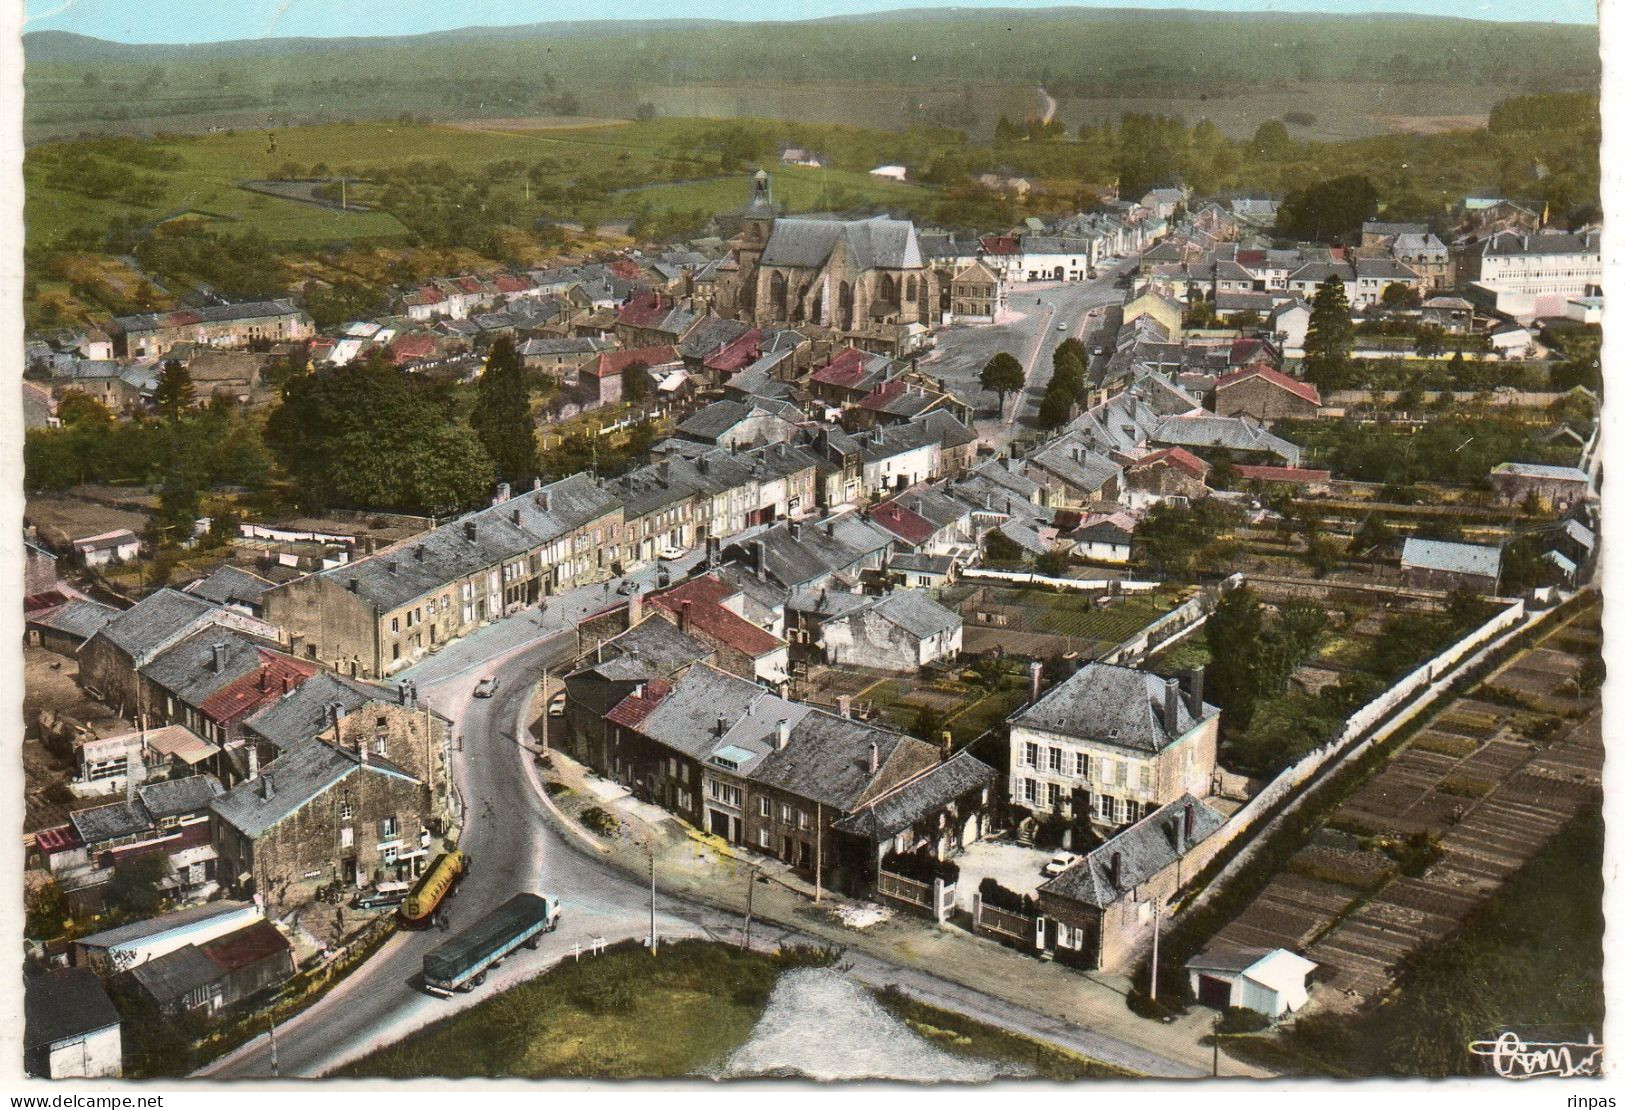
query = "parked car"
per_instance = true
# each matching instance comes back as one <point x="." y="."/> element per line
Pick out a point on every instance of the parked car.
<point x="487" y="687"/>
<point x="627" y="588"/>
<point x="1059" y="863"/>
<point x="555" y="705"/>
<point x="672" y="553"/>
<point x="1060" y="327"/>
<point x="382" y="896"/>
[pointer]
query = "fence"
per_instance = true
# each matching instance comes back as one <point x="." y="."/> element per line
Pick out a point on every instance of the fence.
<point x="935" y="898"/>
<point x="1177" y="622"/>
<point x="1025" y="578"/>
<point x="1422" y="685"/>
<point x="1016" y="928"/>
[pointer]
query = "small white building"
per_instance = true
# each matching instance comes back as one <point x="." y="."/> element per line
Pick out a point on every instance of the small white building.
<point x="109" y="547"/>
<point x="71" y="1030"/>
<point x="1272" y="981"/>
<point x="890" y="173"/>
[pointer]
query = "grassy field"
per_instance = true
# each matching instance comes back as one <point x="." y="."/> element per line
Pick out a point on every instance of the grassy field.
<point x="623" y="1015"/>
<point x="963" y="1036"/>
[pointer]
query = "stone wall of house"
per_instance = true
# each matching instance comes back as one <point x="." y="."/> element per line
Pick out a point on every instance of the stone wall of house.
<point x="1262" y="400"/>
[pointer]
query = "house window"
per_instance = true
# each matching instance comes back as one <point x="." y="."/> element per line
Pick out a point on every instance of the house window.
<point x="394" y="624"/>
<point x="345" y="811"/>
<point x="1032" y="754"/>
<point x="346" y="837"/>
<point x="764" y="839"/>
<point x="1108" y="808"/>
<point x="1029" y="791"/>
<point x="1083" y="765"/>
<point x="784" y="813"/>
<point x="380" y="745"/>
<point x="1145" y="776"/>
<point x="1055" y="759"/>
<point x="388" y="828"/>
<point x="1055" y="795"/>
<point x="764" y="807"/>
<point x="1131" y="811"/>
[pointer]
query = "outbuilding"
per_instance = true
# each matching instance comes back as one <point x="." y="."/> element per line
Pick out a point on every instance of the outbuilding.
<point x="1272" y="981"/>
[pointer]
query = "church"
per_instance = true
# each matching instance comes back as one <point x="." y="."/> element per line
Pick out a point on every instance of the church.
<point x="866" y="280"/>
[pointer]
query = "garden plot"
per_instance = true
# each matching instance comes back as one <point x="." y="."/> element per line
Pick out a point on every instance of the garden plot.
<point x="1288" y="913"/>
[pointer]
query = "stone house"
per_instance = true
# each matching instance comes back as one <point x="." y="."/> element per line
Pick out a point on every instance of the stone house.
<point x="978" y="294"/>
<point x="232" y="325"/>
<point x="901" y="632"/>
<point x="1446" y="565"/>
<point x="1100" y="912"/>
<point x="1265" y="394"/>
<point x="1170" y="472"/>
<point x="1112" y="743"/>
<point x="707" y="609"/>
<point x="320" y="814"/>
<point x="1558" y="486"/>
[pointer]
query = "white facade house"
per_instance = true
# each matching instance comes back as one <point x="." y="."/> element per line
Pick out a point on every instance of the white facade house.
<point x="1272" y="982"/>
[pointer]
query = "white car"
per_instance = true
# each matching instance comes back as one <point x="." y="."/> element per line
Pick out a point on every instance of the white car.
<point x="1059" y="863"/>
<point x="671" y="554"/>
<point x="555" y="707"/>
<point x="1060" y="327"/>
<point x="487" y="687"/>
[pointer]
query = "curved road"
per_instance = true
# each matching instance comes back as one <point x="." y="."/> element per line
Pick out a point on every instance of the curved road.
<point x="515" y="845"/>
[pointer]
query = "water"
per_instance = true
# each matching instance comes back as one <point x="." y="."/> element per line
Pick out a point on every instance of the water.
<point x="818" y="1025"/>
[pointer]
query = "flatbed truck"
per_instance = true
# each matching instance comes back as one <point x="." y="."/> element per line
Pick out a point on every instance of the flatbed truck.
<point x="461" y="963"/>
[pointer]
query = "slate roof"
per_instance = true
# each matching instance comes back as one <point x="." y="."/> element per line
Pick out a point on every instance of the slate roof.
<point x="172" y="976"/>
<point x="228" y="584"/>
<point x="707" y="614"/>
<point x="1514" y="243"/>
<point x="295" y="778"/>
<point x="875" y="243"/>
<point x="716" y="419"/>
<point x="1143" y="849"/>
<point x="1542" y="470"/>
<point x="1111" y="704"/>
<point x="1224" y="431"/>
<point x="1455" y="558"/>
<point x="710" y="335"/>
<point x="163" y="923"/>
<point x="827" y="759"/>
<point x="179" y="797"/>
<point x="188" y="670"/>
<point x="916" y="613"/>
<point x="920" y="798"/>
<point x="154" y="622"/>
<point x="110" y="822"/>
<point x="922" y="564"/>
<point x="661" y="650"/>
<point x="1068" y="458"/>
<point x="209" y="314"/>
<point x="81" y="618"/>
<point x="300" y="714"/>
<point x="63" y="1003"/>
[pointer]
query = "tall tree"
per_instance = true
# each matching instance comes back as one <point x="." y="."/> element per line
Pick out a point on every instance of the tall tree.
<point x="1003" y="375"/>
<point x="1328" y="348"/>
<point x="636" y="384"/>
<point x="1328" y="210"/>
<point x="502" y="417"/>
<point x="174" y="393"/>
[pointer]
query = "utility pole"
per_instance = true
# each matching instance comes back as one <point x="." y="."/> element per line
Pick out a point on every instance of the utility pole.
<point x="273" y="1048"/>
<point x="818" y="853"/>
<point x="547" y="711"/>
<point x="654" y="937"/>
<point x="750" y="895"/>
<point x="1156" y="936"/>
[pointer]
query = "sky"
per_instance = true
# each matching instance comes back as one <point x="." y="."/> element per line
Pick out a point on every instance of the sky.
<point x="186" y="21"/>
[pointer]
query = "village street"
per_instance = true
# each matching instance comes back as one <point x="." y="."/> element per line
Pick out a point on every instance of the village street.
<point x="1031" y="332"/>
<point x="517" y="841"/>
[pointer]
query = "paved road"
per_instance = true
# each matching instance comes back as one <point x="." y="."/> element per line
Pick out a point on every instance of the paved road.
<point x="1031" y="333"/>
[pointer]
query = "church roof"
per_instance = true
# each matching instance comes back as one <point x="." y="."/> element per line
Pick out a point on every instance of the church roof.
<point x="878" y="243"/>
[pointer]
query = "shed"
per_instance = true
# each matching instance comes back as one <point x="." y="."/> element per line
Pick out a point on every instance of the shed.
<point x="1272" y="981"/>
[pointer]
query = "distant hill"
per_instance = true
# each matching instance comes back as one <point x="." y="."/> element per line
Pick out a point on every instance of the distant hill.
<point x="77" y="83"/>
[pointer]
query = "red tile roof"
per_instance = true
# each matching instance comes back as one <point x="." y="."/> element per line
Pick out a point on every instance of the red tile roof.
<point x="1251" y="258"/>
<point x="738" y="354"/>
<point x="1000" y="244"/>
<point x="707" y="616"/>
<point x="467" y="284"/>
<point x="625" y="268"/>
<point x="1283" y="474"/>
<point x="246" y="947"/>
<point x="62" y="838"/>
<point x="508" y="283"/>
<point x="906" y="524"/>
<point x="410" y="347"/>
<point x="431" y="295"/>
<point x="1243" y="351"/>
<point x="634" y="708"/>
<point x="1274" y="377"/>
<point x="611" y="363"/>
<point x="1177" y="457"/>
<point x="644" y="310"/>
<point x="845" y="368"/>
<point x="256" y="688"/>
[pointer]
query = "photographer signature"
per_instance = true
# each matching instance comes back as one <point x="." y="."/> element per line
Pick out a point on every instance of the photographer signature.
<point x="1514" y="1058"/>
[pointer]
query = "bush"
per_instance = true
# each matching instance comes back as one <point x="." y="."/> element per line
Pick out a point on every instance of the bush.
<point x="557" y="790"/>
<point x="1457" y="747"/>
<point x="1463" y="787"/>
<point x="1240" y="1019"/>
<point x="921" y="866"/>
<point x="601" y="821"/>
<point x="1003" y="898"/>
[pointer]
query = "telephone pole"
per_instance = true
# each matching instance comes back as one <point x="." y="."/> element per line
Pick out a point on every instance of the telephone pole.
<point x="750" y="895"/>
<point x="273" y="1048"/>
<point x="654" y="937"/>
<point x="1156" y="936"/>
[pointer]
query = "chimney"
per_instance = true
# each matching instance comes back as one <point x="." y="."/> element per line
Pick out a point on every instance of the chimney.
<point x="287" y="685"/>
<point x="758" y="557"/>
<point x="1115" y="874"/>
<point x="633" y="653"/>
<point x="265" y="678"/>
<point x="419" y="551"/>
<point x="355" y="585"/>
<point x="1035" y="678"/>
<point x="516" y="516"/>
<point x="781" y="734"/>
<point x="722" y="725"/>
<point x="1195" y="699"/>
<point x="267" y="791"/>
<point x="400" y="692"/>
<point x="1170" y="706"/>
<point x="253" y="752"/>
<point x="874" y="757"/>
<point x="542" y="500"/>
<point x="795" y="530"/>
<point x="829" y="528"/>
<point x="504" y="491"/>
<point x="393" y="566"/>
<point x="634" y="610"/>
<point x="843" y="705"/>
<point x="217" y="657"/>
<point x="682" y="615"/>
<point x="471" y="531"/>
<point x="1190" y="823"/>
<point x="536" y="484"/>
